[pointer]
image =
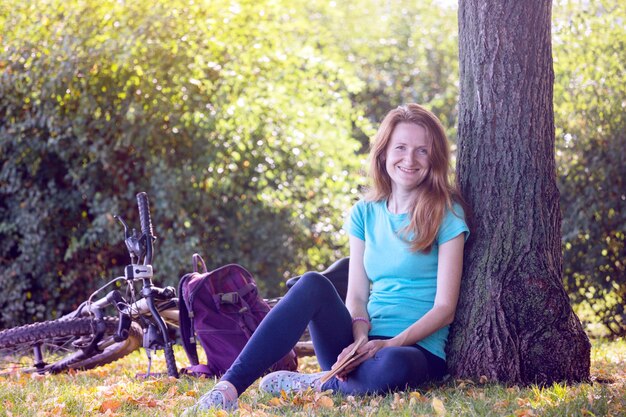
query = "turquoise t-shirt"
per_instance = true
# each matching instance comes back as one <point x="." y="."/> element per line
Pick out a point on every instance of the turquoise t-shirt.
<point x="403" y="283"/>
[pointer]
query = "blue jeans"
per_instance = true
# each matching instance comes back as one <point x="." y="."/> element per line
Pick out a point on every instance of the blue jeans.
<point x="313" y="301"/>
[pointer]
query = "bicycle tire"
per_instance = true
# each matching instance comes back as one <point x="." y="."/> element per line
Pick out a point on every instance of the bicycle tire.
<point x="56" y="339"/>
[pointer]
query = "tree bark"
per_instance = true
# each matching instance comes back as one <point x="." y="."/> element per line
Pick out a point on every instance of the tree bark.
<point x="514" y="323"/>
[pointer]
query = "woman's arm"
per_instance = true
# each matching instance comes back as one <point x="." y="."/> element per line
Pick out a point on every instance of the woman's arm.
<point x="358" y="288"/>
<point x="356" y="301"/>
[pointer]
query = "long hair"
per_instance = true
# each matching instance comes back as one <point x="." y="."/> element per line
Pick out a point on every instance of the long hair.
<point x="435" y="193"/>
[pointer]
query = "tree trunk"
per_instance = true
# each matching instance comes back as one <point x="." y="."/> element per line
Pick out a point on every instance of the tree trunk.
<point x="514" y="323"/>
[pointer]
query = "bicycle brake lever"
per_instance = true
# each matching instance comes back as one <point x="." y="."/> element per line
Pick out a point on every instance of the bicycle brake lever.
<point x="121" y="220"/>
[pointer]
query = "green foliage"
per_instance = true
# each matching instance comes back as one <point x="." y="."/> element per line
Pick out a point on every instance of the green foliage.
<point x="235" y="118"/>
<point x="590" y="103"/>
<point x="404" y="51"/>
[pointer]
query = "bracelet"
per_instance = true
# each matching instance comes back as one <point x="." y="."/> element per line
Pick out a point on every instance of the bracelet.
<point x="363" y="319"/>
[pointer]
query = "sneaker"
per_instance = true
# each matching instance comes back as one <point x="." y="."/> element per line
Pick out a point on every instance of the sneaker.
<point x="223" y="396"/>
<point x="290" y="382"/>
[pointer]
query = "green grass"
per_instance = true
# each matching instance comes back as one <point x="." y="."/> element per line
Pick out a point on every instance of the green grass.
<point x="114" y="390"/>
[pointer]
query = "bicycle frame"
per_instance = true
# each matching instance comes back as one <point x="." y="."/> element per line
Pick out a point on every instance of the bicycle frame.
<point x="153" y="311"/>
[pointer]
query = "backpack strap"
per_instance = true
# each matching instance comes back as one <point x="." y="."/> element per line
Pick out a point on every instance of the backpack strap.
<point x="235" y="297"/>
<point x="187" y="335"/>
<point x="196" y="259"/>
<point x="238" y="299"/>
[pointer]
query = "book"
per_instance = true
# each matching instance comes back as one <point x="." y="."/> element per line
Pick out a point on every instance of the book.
<point x="339" y="366"/>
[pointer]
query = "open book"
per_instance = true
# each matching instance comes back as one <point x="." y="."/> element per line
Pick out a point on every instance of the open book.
<point x="343" y="363"/>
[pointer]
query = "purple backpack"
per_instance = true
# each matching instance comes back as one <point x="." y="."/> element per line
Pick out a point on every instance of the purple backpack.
<point x="222" y="308"/>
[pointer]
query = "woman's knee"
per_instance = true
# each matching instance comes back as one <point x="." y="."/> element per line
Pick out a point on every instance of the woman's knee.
<point x="399" y="367"/>
<point x="314" y="284"/>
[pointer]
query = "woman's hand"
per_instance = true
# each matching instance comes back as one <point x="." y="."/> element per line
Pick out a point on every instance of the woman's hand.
<point x="368" y="350"/>
<point x="350" y="348"/>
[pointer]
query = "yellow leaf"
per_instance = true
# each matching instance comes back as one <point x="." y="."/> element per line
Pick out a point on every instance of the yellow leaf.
<point x="438" y="407"/>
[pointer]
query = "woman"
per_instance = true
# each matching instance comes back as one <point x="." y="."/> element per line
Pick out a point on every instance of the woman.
<point x="406" y="256"/>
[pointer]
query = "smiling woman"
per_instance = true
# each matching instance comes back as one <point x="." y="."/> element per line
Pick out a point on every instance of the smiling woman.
<point x="406" y="253"/>
<point x="407" y="163"/>
<point x="412" y="129"/>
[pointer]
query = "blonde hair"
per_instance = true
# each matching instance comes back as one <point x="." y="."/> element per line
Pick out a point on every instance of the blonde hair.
<point x="435" y="192"/>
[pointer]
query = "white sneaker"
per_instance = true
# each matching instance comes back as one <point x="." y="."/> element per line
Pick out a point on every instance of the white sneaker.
<point x="223" y="396"/>
<point x="290" y="382"/>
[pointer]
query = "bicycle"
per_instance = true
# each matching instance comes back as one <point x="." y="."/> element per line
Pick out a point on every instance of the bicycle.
<point x="108" y="328"/>
<point x="91" y="335"/>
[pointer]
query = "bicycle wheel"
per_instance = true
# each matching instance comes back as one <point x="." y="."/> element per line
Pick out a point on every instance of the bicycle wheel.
<point x="54" y="346"/>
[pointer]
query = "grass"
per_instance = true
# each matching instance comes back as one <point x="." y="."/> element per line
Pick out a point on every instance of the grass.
<point x="114" y="390"/>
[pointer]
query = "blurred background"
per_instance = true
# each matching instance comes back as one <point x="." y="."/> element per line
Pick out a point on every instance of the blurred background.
<point x="248" y="123"/>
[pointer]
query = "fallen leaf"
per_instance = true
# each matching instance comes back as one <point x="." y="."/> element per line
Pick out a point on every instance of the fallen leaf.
<point x="172" y="392"/>
<point x="106" y="391"/>
<point x="325" y="402"/>
<point x="499" y="405"/>
<point x="438" y="407"/>
<point x="275" y="402"/>
<point x="462" y="383"/>
<point x="109" y="413"/>
<point x="110" y="405"/>
<point x="417" y="396"/>
<point x="144" y="400"/>
<point x="245" y="407"/>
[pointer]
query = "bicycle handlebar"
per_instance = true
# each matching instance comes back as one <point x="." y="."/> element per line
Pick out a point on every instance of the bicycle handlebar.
<point x="146" y="224"/>
<point x="144" y="214"/>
